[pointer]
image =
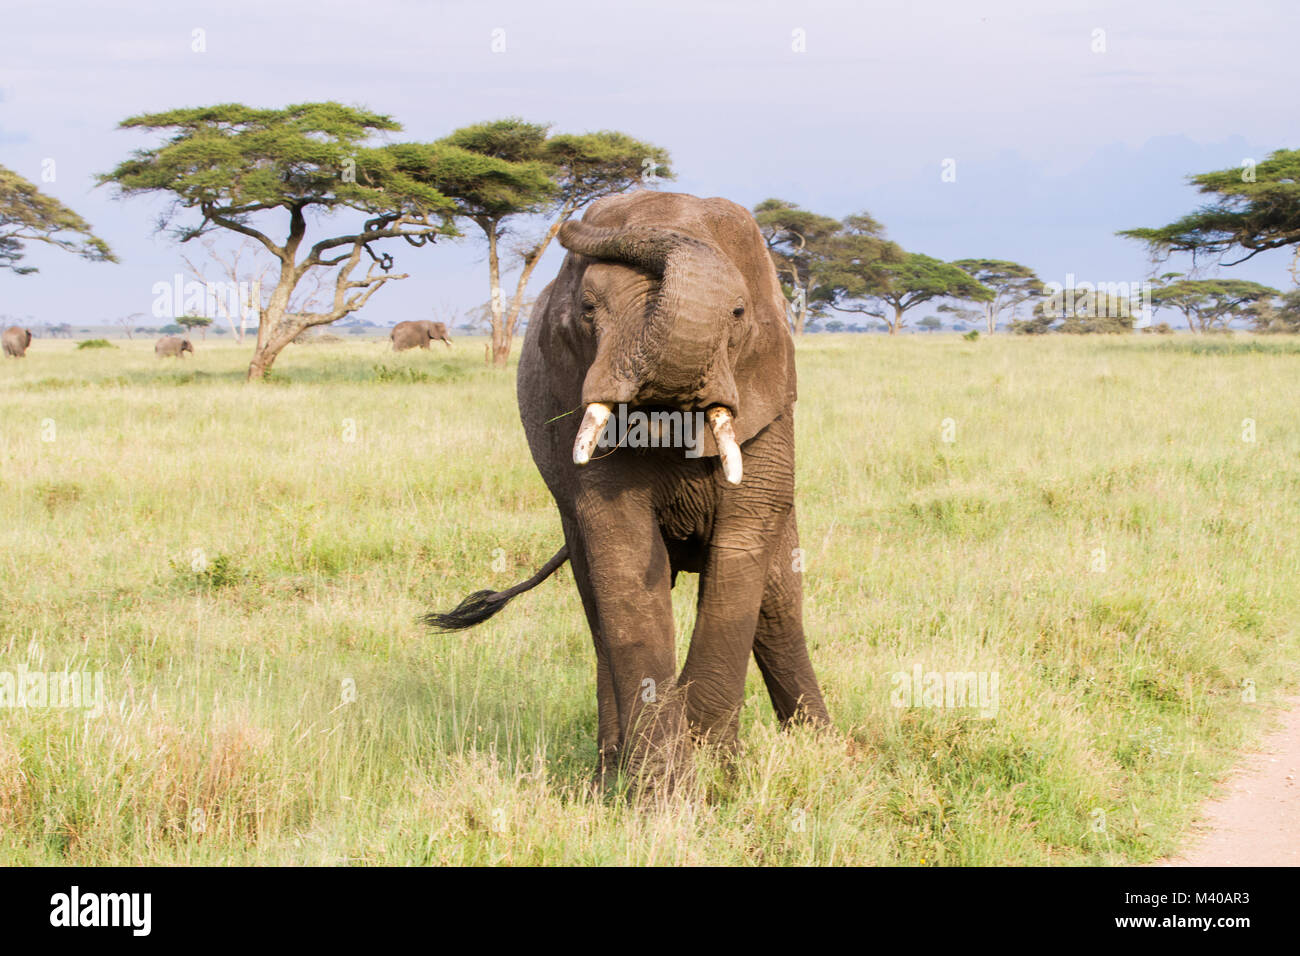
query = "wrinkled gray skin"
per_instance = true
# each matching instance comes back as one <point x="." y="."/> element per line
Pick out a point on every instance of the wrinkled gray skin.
<point x="172" y="346"/>
<point x="16" y="340"/>
<point x="670" y="300"/>
<point x="409" y="335"/>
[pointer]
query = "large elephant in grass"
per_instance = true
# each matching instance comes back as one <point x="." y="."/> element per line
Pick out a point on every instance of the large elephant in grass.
<point x="172" y="346"/>
<point x="409" y="335"/>
<point x="669" y="304"/>
<point x="16" y="340"/>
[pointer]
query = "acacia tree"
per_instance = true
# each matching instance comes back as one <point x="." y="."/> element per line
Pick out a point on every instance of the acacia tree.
<point x="850" y="267"/>
<point x="28" y="215"/>
<point x="239" y="168"/>
<point x="1011" y="283"/>
<point x="191" y="322"/>
<point x="242" y="290"/>
<point x="797" y="241"/>
<point x="1093" y="312"/>
<point x="1281" y="315"/>
<point x="1207" y="304"/>
<point x="552" y="176"/>
<point x="127" y="322"/>
<point x="899" y="283"/>
<point x="1256" y="208"/>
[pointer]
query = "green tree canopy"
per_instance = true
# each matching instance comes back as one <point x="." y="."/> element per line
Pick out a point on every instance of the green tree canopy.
<point x="1211" y="303"/>
<point x="900" y="283"/>
<point x="28" y="215"/>
<point x="1089" y="312"/>
<point x="1254" y="209"/>
<point x="191" y="322"/>
<point x="234" y="167"/>
<point x="1012" y="285"/>
<point x="553" y="176"/>
<point x="797" y="240"/>
<point x="1282" y="315"/>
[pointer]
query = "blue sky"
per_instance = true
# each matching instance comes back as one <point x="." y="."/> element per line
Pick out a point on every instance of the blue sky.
<point x="1056" y="146"/>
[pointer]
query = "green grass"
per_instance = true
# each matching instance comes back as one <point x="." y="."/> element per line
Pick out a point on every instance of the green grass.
<point x="239" y="562"/>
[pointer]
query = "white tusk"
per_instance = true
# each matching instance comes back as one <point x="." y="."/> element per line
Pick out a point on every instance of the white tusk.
<point x="732" y="464"/>
<point x="593" y="423"/>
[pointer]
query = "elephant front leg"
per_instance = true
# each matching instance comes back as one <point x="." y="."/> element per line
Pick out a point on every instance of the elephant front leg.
<point x="731" y="593"/>
<point x="628" y="570"/>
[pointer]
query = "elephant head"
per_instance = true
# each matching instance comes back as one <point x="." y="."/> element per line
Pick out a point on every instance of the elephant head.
<point x="186" y="346"/>
<point x="437" y="331"/>
<point x="687" y="315"/>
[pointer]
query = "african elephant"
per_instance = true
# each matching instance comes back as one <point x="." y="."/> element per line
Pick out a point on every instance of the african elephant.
<point x="408" y="335"/>
<point x="16" y="340"/>
<point x="172" y="346"/>
<point x="669" y="303"/>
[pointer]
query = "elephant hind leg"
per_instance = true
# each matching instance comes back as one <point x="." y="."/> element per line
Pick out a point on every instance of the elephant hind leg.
<point x="780" y="647"/>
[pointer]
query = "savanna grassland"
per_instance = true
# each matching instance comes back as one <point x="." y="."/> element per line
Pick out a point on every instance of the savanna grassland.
<point x="245" y="566"/>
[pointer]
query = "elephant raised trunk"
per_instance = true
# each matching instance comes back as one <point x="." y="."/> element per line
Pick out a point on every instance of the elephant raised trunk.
<point x="679" y="355"/>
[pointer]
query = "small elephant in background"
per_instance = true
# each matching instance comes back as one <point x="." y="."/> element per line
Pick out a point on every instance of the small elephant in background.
<point x="172" y="346"/>
<point x="409" y="335"/>
<point x="16" y="340"/>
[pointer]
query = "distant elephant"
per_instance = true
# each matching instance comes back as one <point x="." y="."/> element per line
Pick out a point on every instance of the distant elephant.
<point x="172" y="346"/>
<point x="16" y="341"/>
<point x="409" y="335"/>
<point x="669" y="302"/>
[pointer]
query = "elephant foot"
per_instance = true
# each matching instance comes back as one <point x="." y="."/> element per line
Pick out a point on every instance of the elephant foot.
<point x="604" y="778"/>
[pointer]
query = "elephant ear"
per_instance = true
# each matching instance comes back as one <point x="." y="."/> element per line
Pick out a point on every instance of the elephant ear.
<point x="762" y="352"/>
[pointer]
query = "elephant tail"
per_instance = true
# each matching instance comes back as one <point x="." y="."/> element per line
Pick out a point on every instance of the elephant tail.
<point x="481" y="605"/>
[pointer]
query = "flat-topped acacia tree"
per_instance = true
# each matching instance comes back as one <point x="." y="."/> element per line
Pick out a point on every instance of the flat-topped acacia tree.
<point x="1011" y="283"/>
<point x="555" y="177"/>
<point x="863" y="273"/>
<point x="247" y="170"/>
<point x="1209" y="304"/>
<point x="797" y="239"/>
<point x="28" y="215"/>
<point x="1254" y="209"/>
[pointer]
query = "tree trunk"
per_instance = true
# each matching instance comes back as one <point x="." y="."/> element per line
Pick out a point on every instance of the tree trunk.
<point x="270" y="339"/>
<point x="501" y="354"/>
<point x="265" y="357"/>
<point x="990" y="319"/>
<point x="898" y="320"/>
<point x="500" y="340"/>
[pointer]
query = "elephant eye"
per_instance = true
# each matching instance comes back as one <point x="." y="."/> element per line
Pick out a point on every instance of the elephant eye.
<point x="738" y="311"/>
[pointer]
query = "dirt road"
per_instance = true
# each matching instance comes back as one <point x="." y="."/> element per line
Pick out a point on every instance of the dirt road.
<point x="1256" y="822"/>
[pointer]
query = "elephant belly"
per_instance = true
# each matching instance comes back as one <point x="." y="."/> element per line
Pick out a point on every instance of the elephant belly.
<point x="686" y="517"/>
